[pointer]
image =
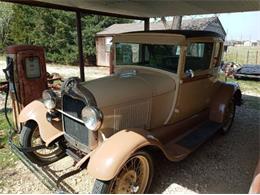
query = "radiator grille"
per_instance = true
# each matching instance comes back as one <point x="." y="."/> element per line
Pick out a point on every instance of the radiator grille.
<point x="133" y="116"/>
<point x="72" y="128"/>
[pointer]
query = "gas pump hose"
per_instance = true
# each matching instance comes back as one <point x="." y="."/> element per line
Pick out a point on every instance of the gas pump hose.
<point x="9" y="75"/>
<point x="12" y="130"/>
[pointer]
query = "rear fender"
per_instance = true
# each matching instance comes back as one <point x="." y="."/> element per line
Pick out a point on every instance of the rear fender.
<point x="110" y="156"/>
<point x="36" y="111"/>
<point x="224" y="93"/>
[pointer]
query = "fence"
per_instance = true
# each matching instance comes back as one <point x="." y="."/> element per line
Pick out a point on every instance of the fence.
<point x="243" y="55"/>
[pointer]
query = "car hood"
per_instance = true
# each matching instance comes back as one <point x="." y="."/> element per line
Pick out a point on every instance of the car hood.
<point x="118" y="89"/>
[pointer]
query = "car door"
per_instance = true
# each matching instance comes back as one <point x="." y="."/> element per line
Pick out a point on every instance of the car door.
<point x="197" y="79"/>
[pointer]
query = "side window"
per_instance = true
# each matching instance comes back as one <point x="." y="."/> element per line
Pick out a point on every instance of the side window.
<point x="198" y="56"/>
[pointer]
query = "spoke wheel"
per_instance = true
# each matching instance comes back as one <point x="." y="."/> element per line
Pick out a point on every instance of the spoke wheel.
<point x="45" y="152"/>
<point x="30" y="137"/>
<point x="135" y="177"/>
<point x="229" y="116"/>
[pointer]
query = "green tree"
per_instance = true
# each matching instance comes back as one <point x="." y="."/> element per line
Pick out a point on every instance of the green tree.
<point x="55" y="30"/>
<point x="23" y="25"/>
<point x="6" y="13"/>
<point x="52" y="29"/>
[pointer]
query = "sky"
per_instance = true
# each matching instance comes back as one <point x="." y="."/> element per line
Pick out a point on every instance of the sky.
<point x="240" y="26"/>
<point x="245" y="26"/>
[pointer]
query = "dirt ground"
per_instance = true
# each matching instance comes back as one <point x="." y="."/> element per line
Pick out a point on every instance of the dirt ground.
<point x="225" y="164"/>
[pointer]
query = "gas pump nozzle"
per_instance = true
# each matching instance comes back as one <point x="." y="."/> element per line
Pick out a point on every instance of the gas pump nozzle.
<point x="9" y="70"/>
<point x="9" y="75"/>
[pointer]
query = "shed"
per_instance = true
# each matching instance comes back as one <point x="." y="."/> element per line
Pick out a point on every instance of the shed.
<point x="103" y="38"/>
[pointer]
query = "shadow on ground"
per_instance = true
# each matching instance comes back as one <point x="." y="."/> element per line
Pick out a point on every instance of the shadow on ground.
<point x="225" y="164"/>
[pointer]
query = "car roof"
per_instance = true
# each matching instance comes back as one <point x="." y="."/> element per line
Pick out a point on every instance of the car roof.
<point x="186" y="33"/>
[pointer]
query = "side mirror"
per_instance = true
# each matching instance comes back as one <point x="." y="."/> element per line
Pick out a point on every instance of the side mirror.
<point x="189" y="73"/>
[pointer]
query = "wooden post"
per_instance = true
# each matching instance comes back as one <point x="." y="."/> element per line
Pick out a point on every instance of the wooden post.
<point x="247" y="57"/>
<point x="176" y="22"/>
<point x="147" y="24"/>
<point x="80" y="48"/>
<point x="256" y="59"/>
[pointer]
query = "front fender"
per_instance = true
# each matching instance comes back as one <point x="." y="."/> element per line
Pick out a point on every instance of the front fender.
<point x="36" y="111"/>
<point x="111" y="155"/>
<point x="224" y="93"/>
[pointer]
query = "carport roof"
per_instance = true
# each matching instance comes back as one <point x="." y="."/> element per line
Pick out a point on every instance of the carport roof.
<point x="145" y="9"/>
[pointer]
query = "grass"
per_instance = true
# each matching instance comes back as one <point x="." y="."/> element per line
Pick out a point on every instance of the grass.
<point x="4" y="127"/>
<point x="7" y="158"/>
<point x="249" y="88"/>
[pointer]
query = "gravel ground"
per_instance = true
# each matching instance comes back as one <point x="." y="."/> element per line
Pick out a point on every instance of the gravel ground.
<point x="225" y="164"/>
<point x="67" y="71"/>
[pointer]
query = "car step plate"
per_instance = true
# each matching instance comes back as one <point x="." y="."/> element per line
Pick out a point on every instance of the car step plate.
<point x="200" y="135"/>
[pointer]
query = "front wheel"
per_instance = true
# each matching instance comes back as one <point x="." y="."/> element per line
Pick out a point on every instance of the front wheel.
<point x="135" y="177"/>
<point x="30" y="137"/>
<point x="229" y="116"/>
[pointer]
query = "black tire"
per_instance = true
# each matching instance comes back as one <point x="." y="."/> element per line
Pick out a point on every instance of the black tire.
<point x="237" y="77"/>
<point x="26" y="141"/>
<point x="226" y="127"/>
<point x="100" y="187"/>
<point x="103" y="187"/>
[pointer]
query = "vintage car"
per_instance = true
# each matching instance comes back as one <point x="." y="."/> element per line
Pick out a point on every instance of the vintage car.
<point x="248" y="71"/>
<point x="164" y="94"/>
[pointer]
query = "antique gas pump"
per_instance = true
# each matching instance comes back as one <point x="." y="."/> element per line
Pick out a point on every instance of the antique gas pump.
<point x="26" y="75"/>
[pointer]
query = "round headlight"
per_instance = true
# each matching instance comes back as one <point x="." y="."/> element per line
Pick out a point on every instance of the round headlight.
<point x="92" y="118"/>
<point x="49" y="99"/>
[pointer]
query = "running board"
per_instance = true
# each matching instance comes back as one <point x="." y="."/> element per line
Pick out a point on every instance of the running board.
<point x="201" y="134"/>
<point x="178" y="150"/>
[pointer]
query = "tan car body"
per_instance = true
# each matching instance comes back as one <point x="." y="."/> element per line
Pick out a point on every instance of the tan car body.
<point x="36" y="111"/>
<point x="255" y="185"/>
<point x="158" y="103"/>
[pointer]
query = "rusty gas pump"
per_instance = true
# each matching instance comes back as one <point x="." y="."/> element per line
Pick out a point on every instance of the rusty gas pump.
<point x="26" y="76"/>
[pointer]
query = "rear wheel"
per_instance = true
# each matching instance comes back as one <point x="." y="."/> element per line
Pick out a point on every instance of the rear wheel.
<point x="229" y="116"/>
<point x="135" y="177"/>
<point x="30" y="137"/>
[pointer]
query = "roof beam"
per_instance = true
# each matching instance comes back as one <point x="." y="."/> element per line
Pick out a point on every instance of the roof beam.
<point x="147" y="24"/>
<point x="72" y="9"/>
<point x="141" y="9"/>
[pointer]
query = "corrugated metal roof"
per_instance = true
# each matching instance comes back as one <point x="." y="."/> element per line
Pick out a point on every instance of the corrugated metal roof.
<point x="188" y="24"/>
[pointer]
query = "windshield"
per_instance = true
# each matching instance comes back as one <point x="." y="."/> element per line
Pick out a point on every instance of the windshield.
<point x="165" y="57"/>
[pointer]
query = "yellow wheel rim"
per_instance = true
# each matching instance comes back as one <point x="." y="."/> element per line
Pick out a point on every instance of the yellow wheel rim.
<point x="133" y="177"/>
